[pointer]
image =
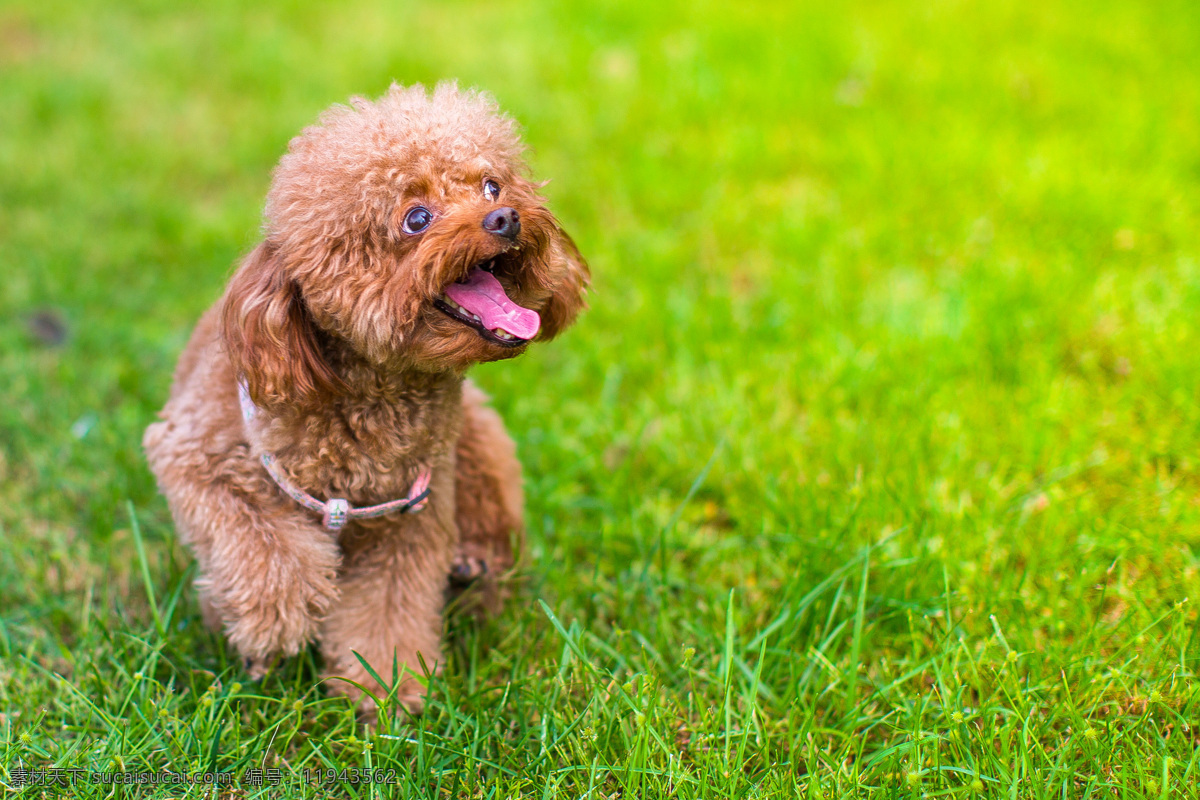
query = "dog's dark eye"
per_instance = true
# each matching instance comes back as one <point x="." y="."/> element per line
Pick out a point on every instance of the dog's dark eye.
<point x="491" y="189"/>
<point x="417" y="220"/>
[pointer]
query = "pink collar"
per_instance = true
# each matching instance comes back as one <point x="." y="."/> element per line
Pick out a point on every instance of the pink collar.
<point x="336" y="512"/>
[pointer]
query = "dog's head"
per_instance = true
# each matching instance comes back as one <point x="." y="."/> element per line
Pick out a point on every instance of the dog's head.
<point x="407" y="231"/>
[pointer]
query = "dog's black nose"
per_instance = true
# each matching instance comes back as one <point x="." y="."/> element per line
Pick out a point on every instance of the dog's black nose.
<point x="504" y="222"/>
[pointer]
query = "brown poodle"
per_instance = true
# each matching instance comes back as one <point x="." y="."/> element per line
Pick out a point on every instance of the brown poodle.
<point x="403" y="243"/>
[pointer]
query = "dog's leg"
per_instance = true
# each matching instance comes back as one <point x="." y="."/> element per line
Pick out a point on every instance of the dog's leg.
<point x="267" y="577"/>
<point x="267" y="570"/>
<point x="390" y="608"/>
<point x="490" y="505"/>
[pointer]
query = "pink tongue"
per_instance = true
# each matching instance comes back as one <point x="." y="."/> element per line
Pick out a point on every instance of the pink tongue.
<point x="483" y="296"/>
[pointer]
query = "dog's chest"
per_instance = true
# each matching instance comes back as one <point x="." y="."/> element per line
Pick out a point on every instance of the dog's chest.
<point x="367" y="452"/>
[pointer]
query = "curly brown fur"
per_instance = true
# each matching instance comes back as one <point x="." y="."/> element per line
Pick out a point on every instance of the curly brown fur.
<point x="332" y="322"/>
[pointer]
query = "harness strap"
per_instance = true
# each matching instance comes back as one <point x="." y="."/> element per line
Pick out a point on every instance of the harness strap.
<point x="336" y="512"/>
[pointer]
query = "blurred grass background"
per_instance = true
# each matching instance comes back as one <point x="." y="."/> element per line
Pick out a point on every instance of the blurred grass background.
<point x="871" y="471"/>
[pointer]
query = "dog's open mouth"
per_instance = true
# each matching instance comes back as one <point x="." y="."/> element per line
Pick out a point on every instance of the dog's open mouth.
<point x="480" y="302"/>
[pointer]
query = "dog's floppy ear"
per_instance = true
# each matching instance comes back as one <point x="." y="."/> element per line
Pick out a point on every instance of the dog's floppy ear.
<point x="571" y="278"/>
<point x="270" y="335"/>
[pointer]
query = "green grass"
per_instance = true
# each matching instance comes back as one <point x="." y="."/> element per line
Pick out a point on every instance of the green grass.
<point x="872" y="471"/>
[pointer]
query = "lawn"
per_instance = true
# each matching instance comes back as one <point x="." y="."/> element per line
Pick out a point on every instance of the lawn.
<point x="871" y="472"/>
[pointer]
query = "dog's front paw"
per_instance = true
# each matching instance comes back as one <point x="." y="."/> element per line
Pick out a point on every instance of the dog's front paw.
<point x="409" y="697"/>
<point x="278" y="618"/>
